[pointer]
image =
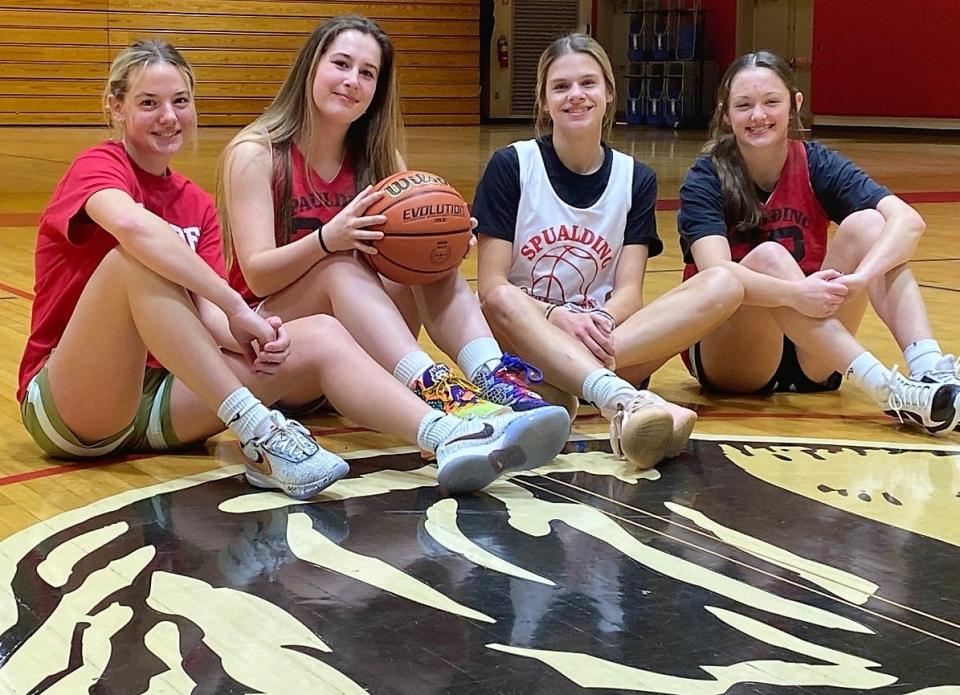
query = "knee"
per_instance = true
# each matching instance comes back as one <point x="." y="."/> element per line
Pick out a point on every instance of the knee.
<point x="117" y="261"/>
<point x="857" y="234"/>
<point x="500" y="302"/>
<point x="723" y="288"/>
<point x="323" y="338"/>
<point x="771" y="258"/>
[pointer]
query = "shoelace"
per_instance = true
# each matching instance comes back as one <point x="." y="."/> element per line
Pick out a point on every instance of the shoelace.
<point x="512" y="363"/>
<point x="448" y="381"/>
<point x="904" y="392"/>
<point x="616" y="430"/>
<point x="287" y="437"/>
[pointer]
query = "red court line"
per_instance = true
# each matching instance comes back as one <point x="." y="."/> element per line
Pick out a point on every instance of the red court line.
<point x="668" y="204"/>
<point x="47" y="472"/>
<point x="19" y="219"/>
<point x="68" y="468"/>
<point x="14" y="290"/>
<point x="931" y="197"/>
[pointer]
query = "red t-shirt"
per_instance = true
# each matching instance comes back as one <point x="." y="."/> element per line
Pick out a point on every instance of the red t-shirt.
<point x="70" y="245"/>
<point x="315" y="202"/>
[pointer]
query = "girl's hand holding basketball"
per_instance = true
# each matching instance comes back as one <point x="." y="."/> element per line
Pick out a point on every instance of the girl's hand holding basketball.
<point x="819" y="295"/>
<point x="593" y="333"/>
<point x="473" y="237"/>
<point x="347" y="230"/>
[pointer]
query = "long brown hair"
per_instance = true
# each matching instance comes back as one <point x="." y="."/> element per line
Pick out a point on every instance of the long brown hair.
<point x="740" y="201"/>
<point x="372" y="141"/>
<point x="574" y="43"/>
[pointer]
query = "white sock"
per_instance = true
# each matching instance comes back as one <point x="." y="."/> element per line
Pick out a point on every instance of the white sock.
<point x="606" y="390"/>
<point x="411" y="366"/>
<point x="479" y="352"/>
<point x="241" y="412"/>
<point x="868" y="374"/>
<point x="434" y="428"/>
<point x="922" y="356"/>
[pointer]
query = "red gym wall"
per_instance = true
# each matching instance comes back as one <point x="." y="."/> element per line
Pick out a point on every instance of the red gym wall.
<point x="886" y="58"/>
<point x="720" y="32"/>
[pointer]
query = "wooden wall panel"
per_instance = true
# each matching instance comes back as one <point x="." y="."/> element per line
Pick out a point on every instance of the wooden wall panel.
<point x="54" y="54"/>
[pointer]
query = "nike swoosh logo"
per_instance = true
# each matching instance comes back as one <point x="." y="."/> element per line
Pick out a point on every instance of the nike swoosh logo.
<point x="485" y="433"/>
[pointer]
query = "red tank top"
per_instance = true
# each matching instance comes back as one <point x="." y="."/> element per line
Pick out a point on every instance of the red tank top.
<point x="792" y="216"/>
<point x="314" y="202"/>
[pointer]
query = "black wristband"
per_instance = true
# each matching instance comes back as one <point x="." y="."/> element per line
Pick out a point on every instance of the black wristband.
<point x="322" y="244"/>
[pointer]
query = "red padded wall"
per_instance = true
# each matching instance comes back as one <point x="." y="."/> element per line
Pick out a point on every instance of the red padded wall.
<point x="886" y="58"/>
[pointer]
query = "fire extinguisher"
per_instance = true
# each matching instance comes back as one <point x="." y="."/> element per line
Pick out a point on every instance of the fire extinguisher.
<point x="503" y="52"/>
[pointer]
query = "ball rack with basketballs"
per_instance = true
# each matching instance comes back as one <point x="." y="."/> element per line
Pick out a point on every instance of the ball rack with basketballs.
<point x="668" y="84"/>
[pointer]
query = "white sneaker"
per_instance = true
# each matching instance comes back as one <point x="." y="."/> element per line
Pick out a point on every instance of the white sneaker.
<point x="933" y="405"/>
<point x="947" y="371"/>
<point x="642" y="431"/>
<point x="287" y="458"/>
<point x="482" y="449"/>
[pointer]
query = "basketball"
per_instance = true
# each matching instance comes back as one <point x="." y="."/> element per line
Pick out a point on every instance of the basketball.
<point x="427" y="232"/>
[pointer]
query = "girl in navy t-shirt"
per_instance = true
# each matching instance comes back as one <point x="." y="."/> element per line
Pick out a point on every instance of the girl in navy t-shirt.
<point x="759" y="201"/>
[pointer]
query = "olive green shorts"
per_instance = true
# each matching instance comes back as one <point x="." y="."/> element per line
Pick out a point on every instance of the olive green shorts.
<point x="150" y="430"/>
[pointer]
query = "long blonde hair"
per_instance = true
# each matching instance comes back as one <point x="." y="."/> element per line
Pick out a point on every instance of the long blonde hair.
<point x="573" y="43"/>
<point x="138" y="55"/>
<point x="740" y="201"/>
<point x="372" y="141"/>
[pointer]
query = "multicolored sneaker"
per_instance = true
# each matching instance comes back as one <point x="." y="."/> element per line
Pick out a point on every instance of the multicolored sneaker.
<point x="441" y="389"/>
<point x="933" y="405"/>
<point x="480" y="450"/>
<point x="509" y="384"/>
<point x="285" y="456"/>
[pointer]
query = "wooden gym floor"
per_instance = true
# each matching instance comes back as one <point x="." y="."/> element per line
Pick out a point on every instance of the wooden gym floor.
<point x="801" y="544"/>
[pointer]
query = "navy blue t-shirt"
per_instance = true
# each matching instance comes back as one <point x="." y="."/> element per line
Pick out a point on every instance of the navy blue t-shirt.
<point x="498" y="194"/>
<point x="839" y="185"/>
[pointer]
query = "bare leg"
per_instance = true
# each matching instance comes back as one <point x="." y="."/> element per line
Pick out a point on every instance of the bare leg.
<point x="675" y="321"/>
<point x="642" y="343"/>
<point x="896" y="296"/>
<point x="346" y="288"/>
<point x="402" y="296"/>
<point x="96" y="372"/>
<point x="743" y="354"/>
<point x="564" y="360"/>
<point x="451" y="313"/>
<point x="324" y="358"/>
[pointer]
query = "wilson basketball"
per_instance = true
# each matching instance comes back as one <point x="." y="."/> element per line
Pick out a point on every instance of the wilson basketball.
<point x="427" y="232"/>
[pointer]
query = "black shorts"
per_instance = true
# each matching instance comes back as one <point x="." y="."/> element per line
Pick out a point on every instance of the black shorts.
<point x="789" y="377"/>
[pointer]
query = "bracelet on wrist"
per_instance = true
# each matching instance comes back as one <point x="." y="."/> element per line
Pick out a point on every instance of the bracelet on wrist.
<point x="323" y="245"/>
<point x="605" y="314"/>
<point x="549" y="309"/>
